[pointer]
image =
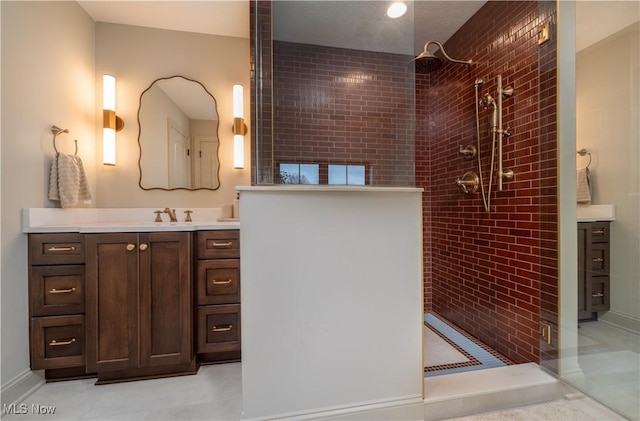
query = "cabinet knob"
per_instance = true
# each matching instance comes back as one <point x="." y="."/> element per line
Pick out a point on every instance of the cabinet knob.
<point x="143" y="247"/>
<point x="131" y="247"/>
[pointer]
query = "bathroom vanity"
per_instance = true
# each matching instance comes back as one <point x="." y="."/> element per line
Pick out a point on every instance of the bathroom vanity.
<point x="594" y="227"/>
<point x="124" y="300"/>
<point x="593" y="269"/>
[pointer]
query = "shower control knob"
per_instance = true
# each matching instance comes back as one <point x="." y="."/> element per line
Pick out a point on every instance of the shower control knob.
<point x="469" y="182"/>
<point x="469" y="152"/>
<point x="508" y="175"/>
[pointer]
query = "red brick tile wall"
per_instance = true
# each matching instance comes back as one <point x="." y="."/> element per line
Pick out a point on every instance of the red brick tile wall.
<point x="261" y="75"/>
<point x="344" y="107"/>
<point x="484" y="271"/>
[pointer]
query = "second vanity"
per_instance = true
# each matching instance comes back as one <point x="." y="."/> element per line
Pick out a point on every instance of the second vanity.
<point x="114" y="296"/>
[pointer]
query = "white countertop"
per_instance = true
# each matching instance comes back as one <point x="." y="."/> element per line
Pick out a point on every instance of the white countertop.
<point x="97" y="220"/>
<point x="593" y="213"/>
<point x="326" y="188"/>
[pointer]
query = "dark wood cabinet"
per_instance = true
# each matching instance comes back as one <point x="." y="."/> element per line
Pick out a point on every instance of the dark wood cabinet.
<point x="218" y="296"/>
<point x="57" y="304"/>
<point x="139" y="306"/>
<point x="593" y="269"/>
<point x="124" y="306"/>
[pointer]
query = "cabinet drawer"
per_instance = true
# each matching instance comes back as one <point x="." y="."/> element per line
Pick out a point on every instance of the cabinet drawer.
<point x="599" y="232"/>
<point x="219" y="328"/>
<point x="56" y="290"/>
<point x="56" y="249"/>
<point x="219" y="281"/>
<point x="223" y="244"/>
<point x="600" y="293"/>
<point x="599" y="259"/>
<point x="57" y="342"/>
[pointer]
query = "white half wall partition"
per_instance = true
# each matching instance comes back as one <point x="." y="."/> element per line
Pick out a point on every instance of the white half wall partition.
<point x="331" y="302"/>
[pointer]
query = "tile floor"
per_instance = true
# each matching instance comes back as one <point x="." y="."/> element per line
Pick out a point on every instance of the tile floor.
<point x="609" y="359"/>
<point x="215" y="392"/>
<point x="449" y="350"/>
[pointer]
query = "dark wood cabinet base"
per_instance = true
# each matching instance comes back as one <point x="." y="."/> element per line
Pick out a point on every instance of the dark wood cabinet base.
<point x="147" y="373"/>
<point x="219" y="357"/>
<point x="71" y="373"/>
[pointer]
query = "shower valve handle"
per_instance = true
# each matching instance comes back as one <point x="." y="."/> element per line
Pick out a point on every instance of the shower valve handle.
<point x="469" y="182"/>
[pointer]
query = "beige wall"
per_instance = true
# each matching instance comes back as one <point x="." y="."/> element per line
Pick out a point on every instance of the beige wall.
<point x="47" y="78"/>
<point x="137" y="56"/>
<point x="53" y="56"/>
<point x="608" y="126"/>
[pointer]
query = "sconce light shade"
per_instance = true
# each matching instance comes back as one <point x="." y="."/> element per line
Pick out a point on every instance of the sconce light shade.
<point x="108" y="146"/>
<point x="239" y="127"/>
<point x="110" y="121"/>
<point x="238" y="151"/>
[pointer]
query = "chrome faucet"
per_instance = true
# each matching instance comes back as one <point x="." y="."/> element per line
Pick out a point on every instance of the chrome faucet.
<point x="172" y="214"/>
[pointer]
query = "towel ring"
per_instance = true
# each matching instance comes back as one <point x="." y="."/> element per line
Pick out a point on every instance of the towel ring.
<point x="56" y="131"/>
<point x="583" y="152"/>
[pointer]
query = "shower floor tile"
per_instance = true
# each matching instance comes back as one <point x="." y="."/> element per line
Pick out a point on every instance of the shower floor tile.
<point x="450" y="350"/>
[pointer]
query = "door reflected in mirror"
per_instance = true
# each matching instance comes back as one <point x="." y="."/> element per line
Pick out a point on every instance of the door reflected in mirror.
<point x="178" y="136"/>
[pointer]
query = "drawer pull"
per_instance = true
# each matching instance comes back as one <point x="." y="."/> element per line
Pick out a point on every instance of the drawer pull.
<point x="56" y="343"/>
<point x="227" y="282"/>
<point x="62" y="291"/>
<point x="599" y="231"/>
<point x="56" y="248"/>
<point x="222" y="329"/>
<point x="596" y="295"/>
<point x="143" y="247"/>
<point x="131" y="246"/>
<point x="221" y="245"/>
<point x="597" y="260"/>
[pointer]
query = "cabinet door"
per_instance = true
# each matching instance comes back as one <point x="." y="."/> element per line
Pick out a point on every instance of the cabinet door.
<point x="165" y="298"/>
<point x="584" y="287"/>
<point x="112" y="301"/>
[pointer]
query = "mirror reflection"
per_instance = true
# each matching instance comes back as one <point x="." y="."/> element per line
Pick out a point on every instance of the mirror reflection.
<point x="178" y="136"/>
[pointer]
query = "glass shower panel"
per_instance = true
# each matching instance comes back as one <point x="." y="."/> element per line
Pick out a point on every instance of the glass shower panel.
<point x="334" y="85"/>
<point x="600" y="354"/>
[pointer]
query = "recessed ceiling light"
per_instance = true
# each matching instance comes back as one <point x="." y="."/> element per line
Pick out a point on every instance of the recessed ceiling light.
<point x="396" y="10"/>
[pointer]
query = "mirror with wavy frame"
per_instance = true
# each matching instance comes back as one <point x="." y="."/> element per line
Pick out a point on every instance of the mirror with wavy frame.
<point x="178" y="137"/>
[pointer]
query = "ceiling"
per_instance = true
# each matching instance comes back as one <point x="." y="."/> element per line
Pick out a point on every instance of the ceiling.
<point x="359" y="24"/>
<point x="347" y="24"/>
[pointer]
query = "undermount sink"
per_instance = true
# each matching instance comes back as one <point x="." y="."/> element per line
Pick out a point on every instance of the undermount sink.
<point x="590" y="213"/>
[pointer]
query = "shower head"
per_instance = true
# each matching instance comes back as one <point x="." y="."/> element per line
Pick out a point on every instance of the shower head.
<point x="427" y="62"/>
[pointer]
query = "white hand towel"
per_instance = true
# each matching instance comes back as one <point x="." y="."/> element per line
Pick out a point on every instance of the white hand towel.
<point x="583" y="186"/>
<point x="68" y="181"/>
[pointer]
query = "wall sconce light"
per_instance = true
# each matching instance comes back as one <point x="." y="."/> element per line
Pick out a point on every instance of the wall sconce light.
<point x="239" y="127"/>
<point x="111" y="123"/>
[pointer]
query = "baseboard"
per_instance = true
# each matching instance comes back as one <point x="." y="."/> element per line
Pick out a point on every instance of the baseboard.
<point x="403" y="408"/>
<point x="20" y="387"/>
<point x="621" y="320"/>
